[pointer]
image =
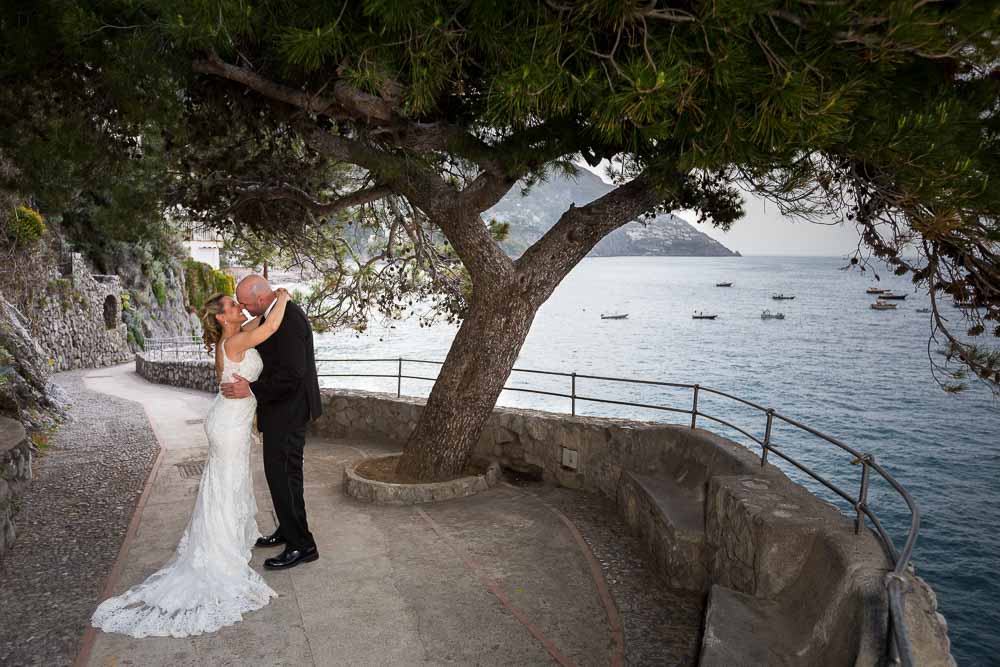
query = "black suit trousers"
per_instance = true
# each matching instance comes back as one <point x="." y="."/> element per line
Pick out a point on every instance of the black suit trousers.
<point x="283" y="468"/>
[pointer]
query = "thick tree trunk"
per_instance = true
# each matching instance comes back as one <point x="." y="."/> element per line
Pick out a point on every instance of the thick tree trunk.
<point x="503" y="305"/>
<point x="471" y="379"/>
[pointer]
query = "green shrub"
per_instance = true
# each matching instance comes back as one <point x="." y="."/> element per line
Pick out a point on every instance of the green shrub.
<point x="133" y="325"/>
<point x="26" y="226"/>
<point x="198" y="283"/>
<point x="202" y="281"/>
<point x="224" y="283"/>
<point x="160" y="292"/>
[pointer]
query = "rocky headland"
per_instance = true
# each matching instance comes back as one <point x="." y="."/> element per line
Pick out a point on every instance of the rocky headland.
<point x="532" y="214"/>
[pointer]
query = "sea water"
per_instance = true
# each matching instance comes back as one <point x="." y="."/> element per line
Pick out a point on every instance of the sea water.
<point x="860" y="375"/>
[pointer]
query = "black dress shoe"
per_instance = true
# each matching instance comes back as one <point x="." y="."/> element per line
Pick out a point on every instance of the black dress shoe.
<point x="272" y="540"/>
<point x="291" y="557"/>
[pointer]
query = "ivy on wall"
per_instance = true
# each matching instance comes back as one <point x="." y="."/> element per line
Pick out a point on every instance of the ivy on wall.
<point x="202" y="281"/>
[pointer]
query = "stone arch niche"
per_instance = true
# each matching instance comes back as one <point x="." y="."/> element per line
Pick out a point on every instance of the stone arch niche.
<point x="110" y="312"/>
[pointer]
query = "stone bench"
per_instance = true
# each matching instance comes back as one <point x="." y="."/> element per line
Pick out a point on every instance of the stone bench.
<point x="670" y="520"/>
<point x="794" y="585"/>
<point x="743" y="630"/>
<point x="15" y="471"/>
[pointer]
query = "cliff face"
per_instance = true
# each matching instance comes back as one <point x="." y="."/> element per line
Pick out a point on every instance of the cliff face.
<point x="58" y="313"/>
<point x="154" y="289"/>
<point x="25" y="391"/>
<point x="532" y="215"/>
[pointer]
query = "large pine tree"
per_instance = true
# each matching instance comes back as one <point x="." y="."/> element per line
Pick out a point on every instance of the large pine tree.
<point x="283" y="115"/>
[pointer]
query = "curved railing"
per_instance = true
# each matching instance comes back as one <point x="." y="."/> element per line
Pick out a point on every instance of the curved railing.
<point x="188" y="348"/>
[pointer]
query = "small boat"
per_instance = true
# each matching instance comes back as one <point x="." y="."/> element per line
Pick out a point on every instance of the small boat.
<point x="615" y="317"/>
<point x="882" y="305"/>
<point x="923" y="310"/>
<point x="782" y="297"/>
<point x="876" y="290"/>
<point x="892" y="295"/>
<point x="768" y="315"/>
<point x="699" y="315"/>
<point x="964" y="304"/>
<point x="723" y="284"/>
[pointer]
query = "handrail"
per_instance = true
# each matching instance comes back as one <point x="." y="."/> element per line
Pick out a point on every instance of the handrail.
<point x="895" y="584"/>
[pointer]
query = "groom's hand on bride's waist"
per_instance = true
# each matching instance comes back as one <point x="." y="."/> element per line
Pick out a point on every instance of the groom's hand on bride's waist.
<point x="239" y="388"/>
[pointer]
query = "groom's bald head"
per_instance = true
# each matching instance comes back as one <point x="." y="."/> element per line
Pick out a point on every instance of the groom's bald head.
<point x="255" y="294"/>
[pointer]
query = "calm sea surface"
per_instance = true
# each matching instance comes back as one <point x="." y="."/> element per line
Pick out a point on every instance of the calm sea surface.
<point x="857" y="374"/>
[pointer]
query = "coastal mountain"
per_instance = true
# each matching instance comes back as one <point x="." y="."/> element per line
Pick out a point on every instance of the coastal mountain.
<point x="532" y="215"/>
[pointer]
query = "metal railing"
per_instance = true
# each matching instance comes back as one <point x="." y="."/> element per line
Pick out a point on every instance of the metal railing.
<point x="191" y="347"/>
<point x="176" y="347"/>
<point x="901" y="648"/>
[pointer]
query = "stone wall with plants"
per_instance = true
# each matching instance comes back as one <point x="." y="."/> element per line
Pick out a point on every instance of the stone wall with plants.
<point x="77" y="317"/>
<point x="27" y="255"/>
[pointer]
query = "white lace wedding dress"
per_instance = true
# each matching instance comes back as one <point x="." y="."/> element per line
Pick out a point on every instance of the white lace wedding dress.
<point x="208" y="584"/>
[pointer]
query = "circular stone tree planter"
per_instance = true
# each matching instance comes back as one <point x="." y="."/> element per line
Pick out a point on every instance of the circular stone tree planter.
<point x="387" y="493"/>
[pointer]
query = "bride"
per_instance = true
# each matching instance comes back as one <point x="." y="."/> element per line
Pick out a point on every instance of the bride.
<point x="209" y="583"/>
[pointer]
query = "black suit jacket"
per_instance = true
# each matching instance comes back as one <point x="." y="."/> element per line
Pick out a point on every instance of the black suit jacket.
<point x="287" y="390"/>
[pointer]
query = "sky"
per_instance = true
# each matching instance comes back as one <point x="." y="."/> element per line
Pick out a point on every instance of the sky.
<point x="764" y="231"/>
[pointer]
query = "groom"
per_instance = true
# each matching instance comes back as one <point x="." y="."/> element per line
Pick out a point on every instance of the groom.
<point x="287" y="393"/>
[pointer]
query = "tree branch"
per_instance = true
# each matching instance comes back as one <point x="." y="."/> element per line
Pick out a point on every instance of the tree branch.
<point x="486" y="190"/>
<point x="350" y="104"/>
<point x="457" y="217"/>
<point x="291" y="193"/>
<point x="579" y="229"/>
<point x="347" y="103"/>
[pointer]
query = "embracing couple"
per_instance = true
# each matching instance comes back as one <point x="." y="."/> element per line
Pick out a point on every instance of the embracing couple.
<point x="265" y="366"/>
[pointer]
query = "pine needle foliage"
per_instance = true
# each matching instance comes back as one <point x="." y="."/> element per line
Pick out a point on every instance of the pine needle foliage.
<point x="881" y="112"/>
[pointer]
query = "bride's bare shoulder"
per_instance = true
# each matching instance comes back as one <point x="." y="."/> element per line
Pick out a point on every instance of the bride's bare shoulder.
<point x="232" y="348"/>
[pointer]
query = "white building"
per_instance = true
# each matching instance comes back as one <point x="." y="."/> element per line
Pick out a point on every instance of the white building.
<point x="204" y="245"/>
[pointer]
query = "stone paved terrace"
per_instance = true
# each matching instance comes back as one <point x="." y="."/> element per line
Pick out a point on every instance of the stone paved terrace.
<point x="518" y="575"/>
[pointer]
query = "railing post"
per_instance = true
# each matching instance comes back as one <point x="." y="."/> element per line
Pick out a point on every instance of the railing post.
<point x="399" y="378"/>
<point x="694" y="408"/>
<point x="767" y="437"/>
<point x="859" y="522"/>
<point x="572" y="395"/>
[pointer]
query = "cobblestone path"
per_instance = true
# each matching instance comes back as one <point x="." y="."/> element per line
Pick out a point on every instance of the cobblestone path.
<point x="72" y="521"/>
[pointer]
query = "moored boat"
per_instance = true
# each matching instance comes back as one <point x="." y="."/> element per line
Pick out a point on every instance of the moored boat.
<point x="615" y="317"/>
<point x="782" y="297"/>
<point x="768" y="315"/>
<point x="723" y="284"/>
<point x="892" y="295"/>
<point x="882" y="305"/>
<point x="700" y="315"/>
<point x="875" y="290"/>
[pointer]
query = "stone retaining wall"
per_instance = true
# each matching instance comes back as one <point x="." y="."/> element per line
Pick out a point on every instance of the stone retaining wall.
<point x="190" y="373"/>
<point x="15" y="472"/>
<point x="77" y="317"/>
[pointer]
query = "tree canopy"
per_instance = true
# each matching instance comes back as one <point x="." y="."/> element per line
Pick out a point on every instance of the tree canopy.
<point x="413" y="116"/>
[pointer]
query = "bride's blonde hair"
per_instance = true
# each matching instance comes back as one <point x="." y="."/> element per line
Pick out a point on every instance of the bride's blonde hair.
<point x="212" y="330"/>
